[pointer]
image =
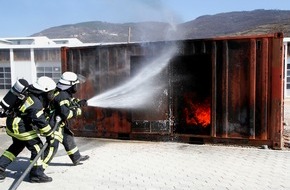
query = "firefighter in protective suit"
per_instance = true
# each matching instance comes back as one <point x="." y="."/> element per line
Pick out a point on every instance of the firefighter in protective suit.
<point x="67" y="107"/>
<point x="23" y="126"/>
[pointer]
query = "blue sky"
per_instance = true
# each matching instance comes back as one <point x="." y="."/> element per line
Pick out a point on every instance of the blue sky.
<point x="26" y="17"/>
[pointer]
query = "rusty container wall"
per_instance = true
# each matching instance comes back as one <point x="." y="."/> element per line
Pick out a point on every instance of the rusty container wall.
<point x="226" y="89"/>
<point x="248" y="92"/>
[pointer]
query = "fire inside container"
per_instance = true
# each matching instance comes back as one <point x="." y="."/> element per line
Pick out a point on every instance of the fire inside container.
<point x="191" y="87"/>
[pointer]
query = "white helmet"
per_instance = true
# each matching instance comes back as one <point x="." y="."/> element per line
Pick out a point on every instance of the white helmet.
<point x="44" y="84"/>
<point x="67" y="80"/>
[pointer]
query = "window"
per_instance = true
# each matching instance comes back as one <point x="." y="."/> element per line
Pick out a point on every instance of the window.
<point x="52" y="72"/>
<point x="48" y="62"/>
<point x="288" y="73"/>
<point x="4" y="56"/>
<point x="47" y="55"/>
<point x="5" y="77"/>
<point x="22" y="54"/>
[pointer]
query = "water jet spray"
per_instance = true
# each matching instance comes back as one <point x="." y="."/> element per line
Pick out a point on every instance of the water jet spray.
<point x="139" y="90"/>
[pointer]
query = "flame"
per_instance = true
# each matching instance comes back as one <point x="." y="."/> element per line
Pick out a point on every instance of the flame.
<point x="197" y="113"/>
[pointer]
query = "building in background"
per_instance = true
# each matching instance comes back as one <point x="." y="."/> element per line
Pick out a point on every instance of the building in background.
<point x="287" y="67"/>
<point x="30" y="58"/>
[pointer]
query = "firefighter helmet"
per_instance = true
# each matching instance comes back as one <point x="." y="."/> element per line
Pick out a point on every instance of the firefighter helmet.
<point x="67" y="80"/>
<point x="44" y="84"/>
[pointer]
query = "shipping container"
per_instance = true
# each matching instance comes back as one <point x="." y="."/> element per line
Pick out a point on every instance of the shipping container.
<point x="220" y="90"/>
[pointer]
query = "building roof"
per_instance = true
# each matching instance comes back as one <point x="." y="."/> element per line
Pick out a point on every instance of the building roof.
<point x="38" y="42"/>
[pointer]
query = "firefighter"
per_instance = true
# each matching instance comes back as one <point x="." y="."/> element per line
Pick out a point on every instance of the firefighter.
<point x="25" y="124"/>
<point x="67" y="107"/>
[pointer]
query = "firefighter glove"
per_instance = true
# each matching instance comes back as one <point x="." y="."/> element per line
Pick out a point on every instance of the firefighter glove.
<point x="77" y="112"/>
<point x="83" y="103"/>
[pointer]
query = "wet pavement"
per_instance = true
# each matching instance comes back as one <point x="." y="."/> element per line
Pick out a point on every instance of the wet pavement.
<point x="117" y="164"/>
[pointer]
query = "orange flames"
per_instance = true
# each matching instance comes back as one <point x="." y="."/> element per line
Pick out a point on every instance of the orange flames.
<point x="196" y="112"/>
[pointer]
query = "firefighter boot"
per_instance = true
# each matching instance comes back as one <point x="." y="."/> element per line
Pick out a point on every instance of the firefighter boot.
<point x="4" y="162"/>
<point x="81" y="158"/>
<point x="2" y="174"/>
<point x="37" y="175"/>
<point x="40" y="179"/>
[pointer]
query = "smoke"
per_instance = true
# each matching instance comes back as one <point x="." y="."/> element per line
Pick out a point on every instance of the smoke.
<point x="138" y="91"/>
<point x="165" y="14"/>
<point x="159" y="11"/>
<point x="143" y="10"/>
<point x="146" y="11"/>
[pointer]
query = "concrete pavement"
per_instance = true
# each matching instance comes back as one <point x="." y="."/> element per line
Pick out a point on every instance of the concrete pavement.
<point x="116" y="164"/>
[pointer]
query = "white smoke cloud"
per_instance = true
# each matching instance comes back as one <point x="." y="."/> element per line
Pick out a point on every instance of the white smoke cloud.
<point x="143" y="10"/>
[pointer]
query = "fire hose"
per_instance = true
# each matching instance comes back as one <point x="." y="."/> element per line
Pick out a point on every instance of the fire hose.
<point x="17" y="183"/>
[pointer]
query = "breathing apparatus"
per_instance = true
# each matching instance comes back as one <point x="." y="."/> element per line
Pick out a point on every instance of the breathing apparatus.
<point x="16" y="94"/>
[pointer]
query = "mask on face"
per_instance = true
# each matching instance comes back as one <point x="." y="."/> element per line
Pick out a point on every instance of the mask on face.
<point x="73" y="89"/>
<point x="50" y="95"/>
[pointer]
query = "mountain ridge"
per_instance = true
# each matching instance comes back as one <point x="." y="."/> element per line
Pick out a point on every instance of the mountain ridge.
<point x="258" y="21"/>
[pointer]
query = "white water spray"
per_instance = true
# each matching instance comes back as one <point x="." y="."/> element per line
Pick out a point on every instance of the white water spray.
<point x="138" y="91"/>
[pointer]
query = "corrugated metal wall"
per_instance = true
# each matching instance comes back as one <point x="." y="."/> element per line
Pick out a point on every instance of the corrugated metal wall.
<point x="236" y="82"/>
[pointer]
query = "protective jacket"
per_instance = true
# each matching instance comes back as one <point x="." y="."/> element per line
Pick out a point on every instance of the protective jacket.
<point x="29" y="119"/>
<point x="65" y="106"/>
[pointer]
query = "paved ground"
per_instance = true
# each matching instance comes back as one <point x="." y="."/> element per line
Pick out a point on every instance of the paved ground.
<point x="116" y="164"/>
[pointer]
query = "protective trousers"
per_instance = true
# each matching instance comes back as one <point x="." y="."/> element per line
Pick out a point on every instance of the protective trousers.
<point x="34" y="145"/>
<point x="65" y="136"/>
<point x="70" y="145"/>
